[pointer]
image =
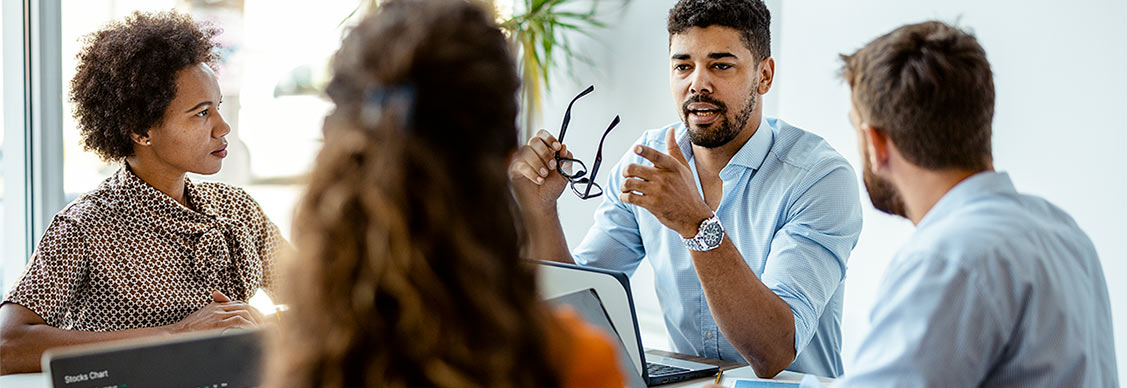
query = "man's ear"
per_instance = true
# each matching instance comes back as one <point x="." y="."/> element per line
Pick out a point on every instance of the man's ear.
<point x="878" y="146"/>
<point x="766" y="75"/>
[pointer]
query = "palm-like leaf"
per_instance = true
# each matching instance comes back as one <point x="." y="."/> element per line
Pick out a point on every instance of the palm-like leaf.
<point x="541" y="33"/>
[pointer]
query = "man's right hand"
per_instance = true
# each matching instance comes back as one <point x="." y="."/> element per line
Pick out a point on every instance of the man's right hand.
<point x="220" y="314"/>
<point x="536" y="182"/>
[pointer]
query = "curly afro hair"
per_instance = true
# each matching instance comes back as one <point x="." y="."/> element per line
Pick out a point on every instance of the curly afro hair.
<point x="127" y="76"/>
<point x="750" y="17"/>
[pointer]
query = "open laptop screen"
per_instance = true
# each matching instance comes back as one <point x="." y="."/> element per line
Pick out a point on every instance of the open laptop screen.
<point x="587" y="304"/>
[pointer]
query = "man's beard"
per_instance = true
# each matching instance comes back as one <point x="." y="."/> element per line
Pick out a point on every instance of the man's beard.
<point x="883" y="194"/>
<point x="722" y="131"/>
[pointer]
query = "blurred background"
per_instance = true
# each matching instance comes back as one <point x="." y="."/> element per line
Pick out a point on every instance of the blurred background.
<point x="1059" y="130"/>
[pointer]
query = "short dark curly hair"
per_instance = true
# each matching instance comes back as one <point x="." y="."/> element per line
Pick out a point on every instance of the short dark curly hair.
<point x="750" y="17"/>
<point x="127" y="76"/>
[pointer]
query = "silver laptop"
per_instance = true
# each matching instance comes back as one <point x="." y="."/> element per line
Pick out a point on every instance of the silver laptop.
<point x="231" y="359"/>
<point x="612" y="291"/>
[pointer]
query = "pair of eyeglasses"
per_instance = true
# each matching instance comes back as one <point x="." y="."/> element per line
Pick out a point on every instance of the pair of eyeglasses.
<point x="582" y="184"/>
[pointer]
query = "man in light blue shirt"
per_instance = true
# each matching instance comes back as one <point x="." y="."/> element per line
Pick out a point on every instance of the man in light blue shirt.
<point x="995" y="288"/>
<point x="747" y="221"/>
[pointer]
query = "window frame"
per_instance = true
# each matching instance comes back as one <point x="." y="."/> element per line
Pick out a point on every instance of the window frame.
<point x="33" y="145"/>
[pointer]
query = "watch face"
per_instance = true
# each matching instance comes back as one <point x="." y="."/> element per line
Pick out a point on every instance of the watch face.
<point x="712" y="234"/>
<point x="709" y="236"/>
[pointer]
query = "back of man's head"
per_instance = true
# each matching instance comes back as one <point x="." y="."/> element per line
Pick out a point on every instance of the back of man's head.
<point x="929" y="87"/>
<point x="750" y="17"/>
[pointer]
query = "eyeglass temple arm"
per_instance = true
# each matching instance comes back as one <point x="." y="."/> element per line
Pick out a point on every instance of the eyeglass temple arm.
<point x="599" y="153"/>
<point x="567" y="113"/>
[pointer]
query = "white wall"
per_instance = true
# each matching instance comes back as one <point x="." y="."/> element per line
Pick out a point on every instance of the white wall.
<point x="1060" y="75"/>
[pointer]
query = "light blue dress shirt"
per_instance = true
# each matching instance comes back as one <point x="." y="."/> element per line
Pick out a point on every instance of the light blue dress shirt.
<point x="994" y="289"/>
<point x="792" y="208"/>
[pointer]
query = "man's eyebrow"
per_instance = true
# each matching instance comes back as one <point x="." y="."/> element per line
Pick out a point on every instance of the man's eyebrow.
<point x="685" y="57"/>
<point x="200" y="105"/>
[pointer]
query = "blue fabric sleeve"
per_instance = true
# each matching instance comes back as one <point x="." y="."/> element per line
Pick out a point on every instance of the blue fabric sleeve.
<point x="614" y="241"/>
<point x="808" y="254"/>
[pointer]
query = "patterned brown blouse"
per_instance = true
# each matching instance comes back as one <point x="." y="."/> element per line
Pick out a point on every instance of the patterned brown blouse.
<point x="127" y="256"/>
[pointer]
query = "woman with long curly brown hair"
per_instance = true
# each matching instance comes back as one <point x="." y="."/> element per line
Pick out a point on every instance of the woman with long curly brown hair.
<point x="408" y="272"/>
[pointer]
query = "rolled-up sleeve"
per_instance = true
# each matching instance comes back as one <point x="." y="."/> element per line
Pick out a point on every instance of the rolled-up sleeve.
<point x="808" y="255"/>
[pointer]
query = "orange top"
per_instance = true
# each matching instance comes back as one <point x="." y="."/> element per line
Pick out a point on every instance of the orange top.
<point x="586" y="353"/>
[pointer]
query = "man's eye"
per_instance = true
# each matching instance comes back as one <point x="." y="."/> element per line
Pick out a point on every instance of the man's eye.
<point x="722" y="66"/>
<point x="203" y="113"/>
<point x="681" y="67"/>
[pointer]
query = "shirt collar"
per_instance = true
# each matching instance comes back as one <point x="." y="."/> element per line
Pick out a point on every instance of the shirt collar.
<point x="971" y="188"/>
<point x="156" y="199"/>
<point x="751" y="155"/>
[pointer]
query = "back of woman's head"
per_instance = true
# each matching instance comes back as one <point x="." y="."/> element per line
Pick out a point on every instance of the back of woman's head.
<point x="408" y="272"/>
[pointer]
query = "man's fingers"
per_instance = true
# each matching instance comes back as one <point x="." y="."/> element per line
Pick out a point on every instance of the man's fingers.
<point x="656" y="157"/>
<point x="673" y="149"/>
<point x="637" y="185"/>
<point x="526" y="171"/>
<point x="547" y="139"/>
<point x="633" y="199"/>
<point x="635" y="170"/>
<point x="529" y="155"/>
<point x="546" y="156"/>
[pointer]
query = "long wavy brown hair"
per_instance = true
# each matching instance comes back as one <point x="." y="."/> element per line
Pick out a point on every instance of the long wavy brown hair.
<point x="408" y="271"/>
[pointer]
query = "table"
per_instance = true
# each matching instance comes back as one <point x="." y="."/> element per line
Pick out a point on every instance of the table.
<point x="731" y="371"/>
<point x="25" y="380"/>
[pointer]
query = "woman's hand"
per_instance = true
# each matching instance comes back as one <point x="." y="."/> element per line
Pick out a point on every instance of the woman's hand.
<point x="222" y="313"/>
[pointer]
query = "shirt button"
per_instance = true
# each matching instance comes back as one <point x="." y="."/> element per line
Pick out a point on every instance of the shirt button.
<point x="708" y="334"/>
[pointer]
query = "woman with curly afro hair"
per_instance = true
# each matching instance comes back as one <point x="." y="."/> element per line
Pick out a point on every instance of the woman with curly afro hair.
<point x="148" y="252"/>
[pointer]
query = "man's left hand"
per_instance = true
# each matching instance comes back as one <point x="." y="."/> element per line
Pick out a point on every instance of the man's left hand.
<point x="667" y="189"/>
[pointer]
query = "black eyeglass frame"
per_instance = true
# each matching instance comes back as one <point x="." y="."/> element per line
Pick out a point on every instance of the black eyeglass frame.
<point x="580" y="177"/>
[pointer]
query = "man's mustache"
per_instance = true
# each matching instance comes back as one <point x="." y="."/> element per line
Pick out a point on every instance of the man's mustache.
<point x="705" y="99"/>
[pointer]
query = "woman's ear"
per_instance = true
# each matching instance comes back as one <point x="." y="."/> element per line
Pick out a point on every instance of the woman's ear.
<point x="139" y="139"/>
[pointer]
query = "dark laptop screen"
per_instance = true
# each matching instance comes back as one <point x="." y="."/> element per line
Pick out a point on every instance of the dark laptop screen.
<point x="216" y="360"/>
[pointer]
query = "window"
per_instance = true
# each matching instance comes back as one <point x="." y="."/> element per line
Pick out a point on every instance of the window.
<point x="3" y="163"/>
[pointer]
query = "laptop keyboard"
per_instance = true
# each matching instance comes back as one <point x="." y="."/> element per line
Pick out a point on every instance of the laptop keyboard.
<point x="661" y="370"/>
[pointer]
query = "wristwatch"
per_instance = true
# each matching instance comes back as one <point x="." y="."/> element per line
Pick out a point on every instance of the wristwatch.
<point x="709" y="235"/>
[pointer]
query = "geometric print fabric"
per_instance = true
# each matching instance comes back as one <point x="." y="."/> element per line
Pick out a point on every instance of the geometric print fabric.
<point x="127" y="256"/>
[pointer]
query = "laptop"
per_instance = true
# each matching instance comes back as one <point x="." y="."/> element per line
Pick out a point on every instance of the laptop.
<point x="612" y="290"/>
<point x="590" y="308"/>
<point x="230" y="359"/>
